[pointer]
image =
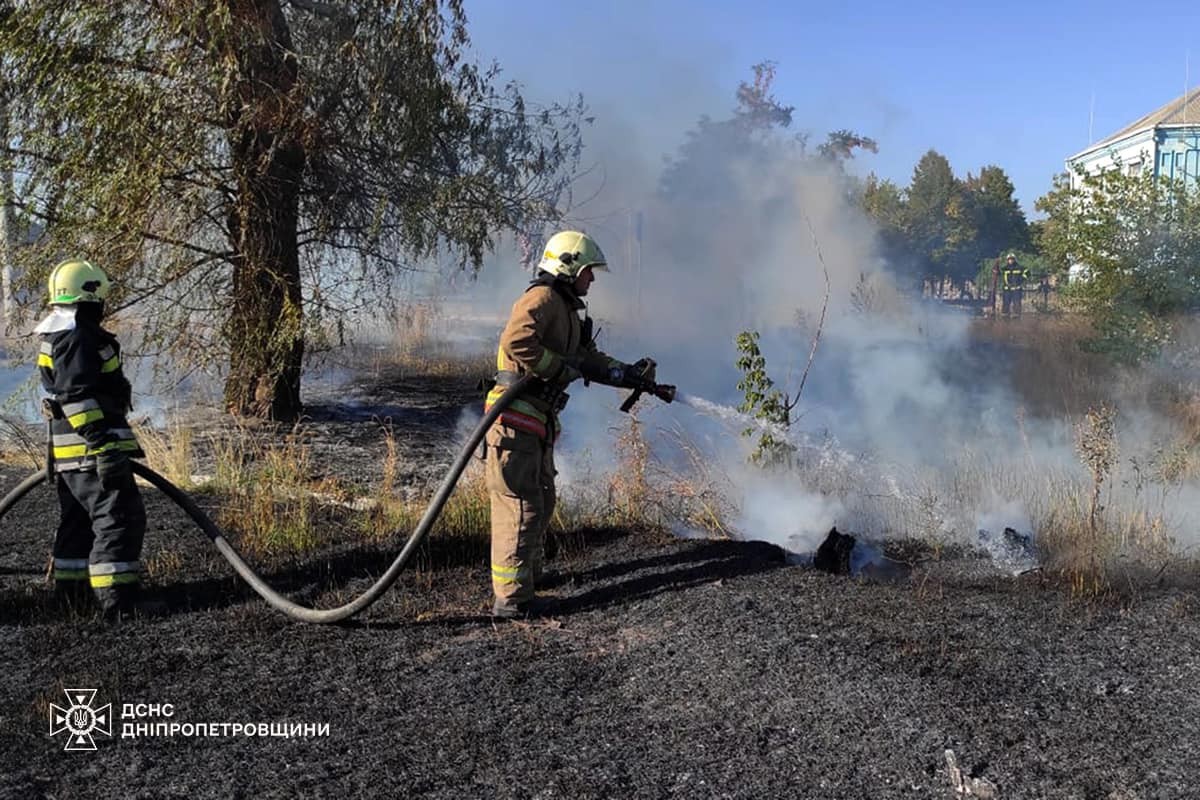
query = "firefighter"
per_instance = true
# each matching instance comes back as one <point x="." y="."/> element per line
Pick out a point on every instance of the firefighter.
<point x="549" y="335"/>
<point x="1013" y="277"/>
<point x="99" y="540"/>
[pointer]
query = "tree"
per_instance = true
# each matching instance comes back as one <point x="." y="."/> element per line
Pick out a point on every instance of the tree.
<point x="928" y="224"/>
<point x="764" y="402"/>
<point x="715" y="156"/>
<point x="997" y="214"/>
<point x="941" y="227"/>
<point x="1052" y="233"/>
<point x="733" y="184"/>
<point x="987" y="221"/>
<point x="839" y="146"/>
<point x="883" y="202"/>
<point x="259" y="166"/>
<point x="1138" y="238"/>
<point x="705" y="173"/>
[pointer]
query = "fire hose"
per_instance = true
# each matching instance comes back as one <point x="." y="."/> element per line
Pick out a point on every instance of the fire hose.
<point x="381" y="584"/>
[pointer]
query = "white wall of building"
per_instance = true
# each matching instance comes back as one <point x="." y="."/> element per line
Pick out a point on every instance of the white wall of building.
<point x="1132" y="154"/>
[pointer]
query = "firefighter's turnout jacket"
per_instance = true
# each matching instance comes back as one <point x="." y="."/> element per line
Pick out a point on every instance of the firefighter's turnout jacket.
<point x="547" y="336"/>
<point x="1014" y="276"/>
<point x="80" y="367"/>
<point x="99" y="540"/>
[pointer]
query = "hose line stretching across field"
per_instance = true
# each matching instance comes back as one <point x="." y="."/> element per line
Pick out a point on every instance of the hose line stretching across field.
<point x="247" y="573"/>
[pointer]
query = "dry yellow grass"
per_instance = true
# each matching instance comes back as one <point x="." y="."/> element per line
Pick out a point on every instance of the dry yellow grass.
<point x="169" y="451"/>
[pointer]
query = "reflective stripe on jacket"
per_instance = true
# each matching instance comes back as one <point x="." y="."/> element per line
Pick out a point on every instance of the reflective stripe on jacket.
<point x="1015" y="277"/>
<point x="80" y="369"/>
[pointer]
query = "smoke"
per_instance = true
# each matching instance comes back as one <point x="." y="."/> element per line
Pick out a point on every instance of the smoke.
<point x="778" y="510"/>
<point x="909" y="423"/>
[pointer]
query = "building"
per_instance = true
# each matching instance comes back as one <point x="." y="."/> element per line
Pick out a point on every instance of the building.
<point x="1166" y="140"/>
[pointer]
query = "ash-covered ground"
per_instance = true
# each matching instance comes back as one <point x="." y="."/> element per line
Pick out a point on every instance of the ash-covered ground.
<point x="666" y="668"/>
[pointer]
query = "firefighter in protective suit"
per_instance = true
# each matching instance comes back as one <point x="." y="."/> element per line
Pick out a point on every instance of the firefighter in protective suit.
<point x="99" y="540"/>
<point x="1013" y="278"/>
<point x="549" y="335"/>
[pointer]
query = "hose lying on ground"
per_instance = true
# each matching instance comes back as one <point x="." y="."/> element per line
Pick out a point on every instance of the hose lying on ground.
<point x="303" y="613"/>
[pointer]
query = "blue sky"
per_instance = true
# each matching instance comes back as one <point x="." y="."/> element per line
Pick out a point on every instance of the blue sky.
<point x="1012" y="87"/>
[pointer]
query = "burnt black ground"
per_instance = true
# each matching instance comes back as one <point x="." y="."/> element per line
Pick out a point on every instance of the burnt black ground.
<point x="666" y="668"/>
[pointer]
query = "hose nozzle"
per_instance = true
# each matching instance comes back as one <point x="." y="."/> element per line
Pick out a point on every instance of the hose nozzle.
<point x="663" y="391"/>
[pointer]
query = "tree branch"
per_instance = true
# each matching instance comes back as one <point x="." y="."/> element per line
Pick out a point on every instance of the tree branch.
<point x="326" y="10"/>
<point x="791" y="403"/>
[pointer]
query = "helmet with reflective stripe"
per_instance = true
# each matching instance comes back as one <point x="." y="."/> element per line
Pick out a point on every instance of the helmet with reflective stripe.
<point x="568" y="253"/>
<point x="77" y="281"/>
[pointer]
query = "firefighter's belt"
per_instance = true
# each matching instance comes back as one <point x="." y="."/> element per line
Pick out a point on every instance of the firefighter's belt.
<point x="536" y="389"/>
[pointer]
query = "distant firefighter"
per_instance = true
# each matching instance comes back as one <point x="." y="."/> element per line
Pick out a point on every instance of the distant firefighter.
<point x="99" y="540"/>
<point x="1013" y="277"/>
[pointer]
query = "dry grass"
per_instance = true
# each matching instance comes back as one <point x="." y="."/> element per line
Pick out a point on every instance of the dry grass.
<point x="643" y="492"/>
<point x="22" y="444"/>
<point x="1054" y="376"/>
<point x="1051" y="373"/>
<point x="462" y="533"/>
<point x="1113" y="507"/>
<point x="270" y="500"/>
<point x="267" y="500"/>
<point x="419" y="346"/>
<point x="1187" y="408"/>
<point x="164" y="565"/>
<point x="169" y="451"/>
<point x="697" y="494"/>
<point x="630" y="496"/>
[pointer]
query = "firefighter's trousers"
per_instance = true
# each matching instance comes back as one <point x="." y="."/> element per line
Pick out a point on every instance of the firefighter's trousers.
<point x="1011" y="301"/>
<point x="99" y="539"/>
<point x="520" y="482"/>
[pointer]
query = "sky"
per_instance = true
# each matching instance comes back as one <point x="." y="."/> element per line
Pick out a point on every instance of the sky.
<point x="1020" y="87"/>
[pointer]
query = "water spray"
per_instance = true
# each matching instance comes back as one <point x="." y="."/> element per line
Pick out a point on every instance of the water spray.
<point x="730" y="414"/>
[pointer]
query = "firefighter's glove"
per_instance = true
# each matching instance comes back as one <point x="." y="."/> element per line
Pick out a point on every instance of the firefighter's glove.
<point x="114" y="468"/>
<point x="640" y="373"/>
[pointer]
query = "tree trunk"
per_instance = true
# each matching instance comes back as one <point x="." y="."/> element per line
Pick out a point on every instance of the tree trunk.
<point x="7" y="238"/>
<point x="266" y="314"/>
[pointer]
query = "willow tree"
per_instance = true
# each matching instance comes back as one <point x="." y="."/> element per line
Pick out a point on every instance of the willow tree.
<point x="251" y="169"/>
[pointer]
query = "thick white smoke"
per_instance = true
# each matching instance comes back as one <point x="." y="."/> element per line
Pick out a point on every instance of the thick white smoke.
<point x="907" y="426"/>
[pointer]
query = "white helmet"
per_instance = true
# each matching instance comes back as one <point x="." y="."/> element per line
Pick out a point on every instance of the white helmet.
<point x="77" y="281"/>
<point x="568" y="253"/>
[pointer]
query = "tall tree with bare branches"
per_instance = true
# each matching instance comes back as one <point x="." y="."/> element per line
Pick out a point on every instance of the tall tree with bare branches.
<point x="256" y="168"/>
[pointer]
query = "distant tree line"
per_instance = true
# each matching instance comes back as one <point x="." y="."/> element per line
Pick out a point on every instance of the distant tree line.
<point x="1132" y="242"/>
<point x="942" y="231"/>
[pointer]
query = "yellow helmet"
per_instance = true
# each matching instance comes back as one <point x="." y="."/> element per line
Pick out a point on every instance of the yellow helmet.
<point x="568" y="253"/>
<point x="77" y="281"/>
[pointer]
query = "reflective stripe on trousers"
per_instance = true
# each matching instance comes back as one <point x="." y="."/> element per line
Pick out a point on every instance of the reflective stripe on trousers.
<point x="520" y="481"/>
